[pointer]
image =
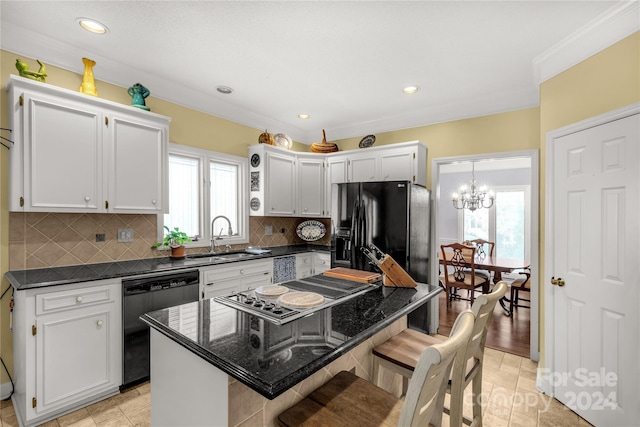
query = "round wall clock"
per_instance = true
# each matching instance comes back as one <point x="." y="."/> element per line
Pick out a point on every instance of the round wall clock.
<point x="255" y="160"/>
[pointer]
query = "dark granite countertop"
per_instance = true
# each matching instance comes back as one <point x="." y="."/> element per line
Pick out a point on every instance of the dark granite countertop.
<point x="53" y="276"/>
<point x="270" y="358"/>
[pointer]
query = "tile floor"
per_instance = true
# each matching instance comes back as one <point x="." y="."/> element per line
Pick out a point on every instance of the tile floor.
<point x="511" y="399"/>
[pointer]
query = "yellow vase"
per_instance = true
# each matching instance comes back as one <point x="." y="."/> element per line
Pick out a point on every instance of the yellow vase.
<point x="88" y="85"/>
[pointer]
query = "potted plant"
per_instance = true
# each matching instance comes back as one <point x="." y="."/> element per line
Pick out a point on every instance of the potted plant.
<point x="175" y="239"/>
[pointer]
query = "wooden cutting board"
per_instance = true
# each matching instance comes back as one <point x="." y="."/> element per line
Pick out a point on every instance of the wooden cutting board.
<point x="354" y="275"/>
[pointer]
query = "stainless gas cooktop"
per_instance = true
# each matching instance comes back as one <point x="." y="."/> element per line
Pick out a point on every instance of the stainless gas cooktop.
<point x="332" y="289"/>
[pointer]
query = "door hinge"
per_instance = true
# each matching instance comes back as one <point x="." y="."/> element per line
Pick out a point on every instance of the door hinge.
<point x="414" y="155"/>
<point x="34" y="330"/>
<point x="21" y="102"/>
<point x="414" y="178"/>
<point x="21" y="201"/>
<point x="202" y="294"/>
<point x="106" y="121"/>
<point x="34" y="402"/>
<point x="106" y="204"/>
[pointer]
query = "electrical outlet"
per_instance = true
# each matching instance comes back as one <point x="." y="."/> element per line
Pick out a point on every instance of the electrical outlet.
<point x="100" y="237"/>
<point x="268" y="230"/>
<point x="125" y="235"/>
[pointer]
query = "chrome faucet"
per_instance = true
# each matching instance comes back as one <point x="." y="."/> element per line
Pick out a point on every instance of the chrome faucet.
<point x="213" y="236"/>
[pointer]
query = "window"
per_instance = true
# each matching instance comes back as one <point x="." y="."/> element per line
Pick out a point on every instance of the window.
<point x="202" y="186"/>
<point x="506" y="222"/>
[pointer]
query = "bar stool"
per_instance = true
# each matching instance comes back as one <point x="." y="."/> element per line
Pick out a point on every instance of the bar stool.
<point x="348" y="400"/>
<point x="399" y="354"/>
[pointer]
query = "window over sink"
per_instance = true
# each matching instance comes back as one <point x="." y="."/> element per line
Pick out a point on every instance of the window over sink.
<point x="204" y="184"/>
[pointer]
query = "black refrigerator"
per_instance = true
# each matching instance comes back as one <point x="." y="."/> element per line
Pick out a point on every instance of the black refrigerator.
<point x="394" y="216"/>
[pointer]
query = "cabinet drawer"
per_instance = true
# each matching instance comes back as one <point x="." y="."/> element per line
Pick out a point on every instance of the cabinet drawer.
<point x="65" y="300"/>
<point x="237" y="270"/>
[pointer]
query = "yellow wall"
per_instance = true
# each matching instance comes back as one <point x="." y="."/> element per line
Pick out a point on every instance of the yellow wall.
<point x="511" y="131"/>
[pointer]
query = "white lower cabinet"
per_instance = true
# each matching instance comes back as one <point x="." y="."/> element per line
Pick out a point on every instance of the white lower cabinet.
<point x="67" y="348"/>
<point x="321" y="262"/>
<point x="234" y="277"/>
<point x="304" y="265"/>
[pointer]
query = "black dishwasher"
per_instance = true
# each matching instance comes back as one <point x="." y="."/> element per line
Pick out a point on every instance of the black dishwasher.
<point x="142" y="295"/>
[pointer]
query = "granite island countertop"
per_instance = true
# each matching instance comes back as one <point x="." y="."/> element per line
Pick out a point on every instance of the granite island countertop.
<point x="270" y="358"/>
<point x="54" y="276"/>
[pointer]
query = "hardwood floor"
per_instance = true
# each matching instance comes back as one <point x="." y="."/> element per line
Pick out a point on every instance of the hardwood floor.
<point x="506" y="333"/>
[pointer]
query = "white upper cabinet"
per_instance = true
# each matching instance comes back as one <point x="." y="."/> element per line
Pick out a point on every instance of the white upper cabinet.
<point x="285" y="183"/>
<point x="137" y="162"/>
<point x="311" y="186"/>
<point x="280" y="185"/>
<point x="405" y="161"/>
<point x="78" y="153"/>
<point x="362" y="167"/>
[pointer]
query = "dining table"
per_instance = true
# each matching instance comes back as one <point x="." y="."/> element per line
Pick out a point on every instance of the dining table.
<point x="495" y="264"/>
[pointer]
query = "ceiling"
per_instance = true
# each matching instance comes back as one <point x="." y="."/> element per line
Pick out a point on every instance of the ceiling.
<point x="343" y="63"/>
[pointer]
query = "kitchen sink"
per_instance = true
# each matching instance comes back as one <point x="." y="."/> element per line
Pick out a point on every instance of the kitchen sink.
<point x="237" y="255"/>
<point x="214" y="257"/>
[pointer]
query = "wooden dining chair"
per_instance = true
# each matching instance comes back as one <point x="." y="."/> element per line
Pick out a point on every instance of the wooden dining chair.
<point x="484" y="249"/>
<point x="520" y="284"/>
<point x="348" y="400"/>
<point x="460" y="270"/>
<point x="400" y="355"/>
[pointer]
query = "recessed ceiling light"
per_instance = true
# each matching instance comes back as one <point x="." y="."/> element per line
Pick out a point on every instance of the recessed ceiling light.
<point x="224" y="89"/>
<point x="303" y="116"/>
<point x="411" y="89"/>
<point x="92" y="25"/>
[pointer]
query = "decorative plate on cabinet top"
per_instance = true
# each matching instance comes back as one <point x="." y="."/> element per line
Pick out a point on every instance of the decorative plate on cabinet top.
<point x="282" y="140"/>
<point x="311" y="230"/>
<point x="367" y="141"/>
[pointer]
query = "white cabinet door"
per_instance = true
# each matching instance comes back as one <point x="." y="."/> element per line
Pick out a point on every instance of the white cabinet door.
<point x="311" y="186"/>
<point x="62" y="170"/>
<point x="255" y="281"/>
<point x="222" y="287"/>
<point x="73" y="355"/>
<point x="362" y="168"/>
<point x="321" y="262"/>
<point x="137" y="156"/>
<point x="226" y="279"/>
<point x="304" y="265"/>
<point x="337" y="169"/>
<point x="280" y="197"/>
<point x="397" y="165"/>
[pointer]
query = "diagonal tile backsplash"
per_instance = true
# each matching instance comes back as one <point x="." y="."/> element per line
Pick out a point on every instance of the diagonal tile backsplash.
<point x="38" y="240"/>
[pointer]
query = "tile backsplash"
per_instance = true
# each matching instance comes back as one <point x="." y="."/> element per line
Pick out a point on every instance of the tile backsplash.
<point x="38" y="240"/>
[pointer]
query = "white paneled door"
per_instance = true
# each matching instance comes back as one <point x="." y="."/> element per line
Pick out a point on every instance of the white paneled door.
<point x="595" y="369"/>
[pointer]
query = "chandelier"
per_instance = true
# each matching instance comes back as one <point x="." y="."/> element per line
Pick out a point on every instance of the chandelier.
<point x="473" y="199"/>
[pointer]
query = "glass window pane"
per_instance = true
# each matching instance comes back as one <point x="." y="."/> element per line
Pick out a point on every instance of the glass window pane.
<point x="184" y="194"/>
<point x="224" y="196"/>
<point x="476" y="224"/>
<point x="510" y="222"/>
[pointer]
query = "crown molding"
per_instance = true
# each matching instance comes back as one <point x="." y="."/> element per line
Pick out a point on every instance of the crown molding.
<point x="618" y="22"/>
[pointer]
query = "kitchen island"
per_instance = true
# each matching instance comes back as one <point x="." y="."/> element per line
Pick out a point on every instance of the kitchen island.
<point x="214" y="365"/>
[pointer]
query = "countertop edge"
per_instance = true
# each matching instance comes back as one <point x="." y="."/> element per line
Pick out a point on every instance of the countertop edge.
<point x="271" y="391"/>
<point x="175" y="266"/>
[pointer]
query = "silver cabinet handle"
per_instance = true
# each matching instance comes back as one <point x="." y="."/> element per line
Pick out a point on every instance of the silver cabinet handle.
<point x="87" y="198"/>
<point x="99" y="322"/>
<point x="79" y="299"/>
<point x="153" y="202"/>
